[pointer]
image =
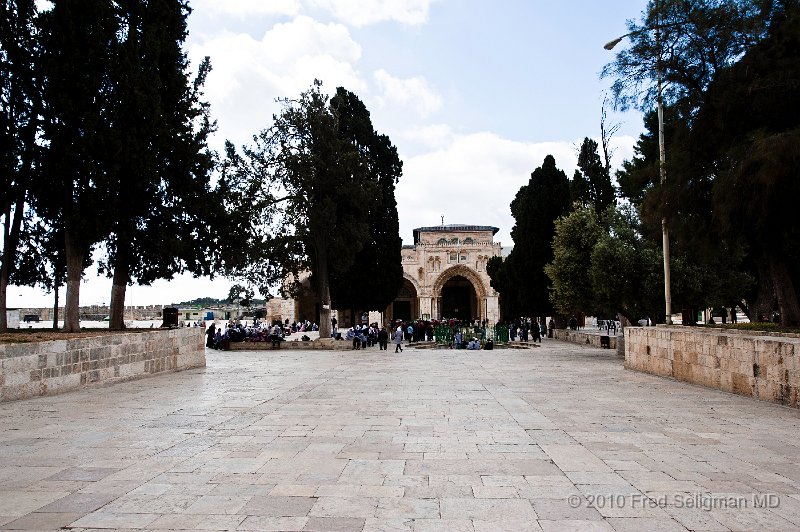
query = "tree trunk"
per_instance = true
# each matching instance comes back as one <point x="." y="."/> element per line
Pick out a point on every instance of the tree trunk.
<point x="56" y="283"/>
<point x="765" y="296"/>
<point x="10" y="241"/>
<point x="74" y="259"/>
<point x="784" y="292"/>
<point x="628" y="316"/>
<point x="3" y="296"/>
<point x="118" y="288"/>
<point x="324" y="288"/>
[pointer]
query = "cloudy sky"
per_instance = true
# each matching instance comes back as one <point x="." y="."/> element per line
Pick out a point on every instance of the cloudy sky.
<point x="474" y="94"/>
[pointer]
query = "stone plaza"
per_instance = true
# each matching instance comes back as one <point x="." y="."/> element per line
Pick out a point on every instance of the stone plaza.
<point x="557" y="437"/>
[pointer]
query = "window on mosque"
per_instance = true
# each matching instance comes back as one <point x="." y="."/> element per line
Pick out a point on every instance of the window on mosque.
<point x="454" y="241"/>
<point x="441" y="242"/>
<point x="453" y="257"/>
<point x="469" y="240"/>
<point x="462" y="258"/>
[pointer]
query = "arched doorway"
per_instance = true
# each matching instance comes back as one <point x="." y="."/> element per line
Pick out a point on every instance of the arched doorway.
<point x="405" y="304"/>
<point x="459" y="299"/>
<point x="459" y="293"/>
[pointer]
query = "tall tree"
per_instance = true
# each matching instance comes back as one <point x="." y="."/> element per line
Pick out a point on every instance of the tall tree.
<point x="535" y="208"/>
<point x="79" y="38"/>
<point x="591" y="184"/>
<point x="705" y="41"/>
<point x="20" y="107"/>
<point x="575" y="237"/>
<point x="160" y="164"/>
<point x="311" y="189"/>
<point x="695" y="39"/>
<point x="742" y="148"/>
<point x="376" y="275"/>
<point x="605" y="265"/>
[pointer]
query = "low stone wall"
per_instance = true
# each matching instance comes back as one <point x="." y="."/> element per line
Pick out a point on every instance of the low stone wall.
<point x="756" y="365"/>
<point x="45" y="368"/>
<point x="311" y="345"/>
<point x="584" y="338"/>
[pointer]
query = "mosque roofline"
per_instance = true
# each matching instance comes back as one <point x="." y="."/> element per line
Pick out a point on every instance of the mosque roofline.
<point x="453" y="228"/>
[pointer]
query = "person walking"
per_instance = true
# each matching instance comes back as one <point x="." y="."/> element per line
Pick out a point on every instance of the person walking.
<point x="398" y="340"/>
<point x="383" y="339"/>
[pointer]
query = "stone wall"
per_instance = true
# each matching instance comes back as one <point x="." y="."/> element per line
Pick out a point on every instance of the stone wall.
<point x="756" y="365"/>
<point x="326" y="345"/>
<point x="583" y="338"/>
<point x="45" y="368"/>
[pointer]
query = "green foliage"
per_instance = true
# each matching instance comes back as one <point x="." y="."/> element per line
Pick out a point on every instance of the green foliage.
<point x="591" y="184"/>
<point x="604" y="266"/>
<point x="499" y="272"/>
<point x="376" y="275"/>
<point x="520" y="279"/>
<point x="305" y="186"/>
<point x="696" y="39"/>
<point x="20" y="107"/>
<point x="575" y="237"/>
<point x="741" y="152"/>
<point x="240" y="295"/>
<point x="158" y="163"/>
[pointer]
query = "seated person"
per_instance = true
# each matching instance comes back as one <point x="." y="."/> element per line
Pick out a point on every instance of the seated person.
<point x="474" y="344"/>
<point x="276" y="336"/>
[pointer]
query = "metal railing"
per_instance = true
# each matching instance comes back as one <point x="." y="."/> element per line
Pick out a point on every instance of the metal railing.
<point x="445" y="334"/>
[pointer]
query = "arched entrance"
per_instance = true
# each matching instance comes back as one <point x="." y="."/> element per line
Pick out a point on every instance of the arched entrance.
<point x="459" y="293"/>
<point x="405" y="305"/>
<point x="459" y="299"/>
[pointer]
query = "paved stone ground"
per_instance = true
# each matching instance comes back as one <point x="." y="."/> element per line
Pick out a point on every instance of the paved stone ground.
<point x="560" y="437"/>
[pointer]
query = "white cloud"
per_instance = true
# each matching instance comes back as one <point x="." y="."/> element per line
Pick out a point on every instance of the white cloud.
<point x="248" y="73"/>
<point x="364" y="12"/>
<point x="432" y="136"/>
<point x="411" y="91"/>
<point x="473" y="179"/>
<point x="247" y="8"/>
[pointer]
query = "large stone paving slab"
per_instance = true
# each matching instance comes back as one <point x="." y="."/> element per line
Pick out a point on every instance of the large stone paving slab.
<point x="560" y="437"/>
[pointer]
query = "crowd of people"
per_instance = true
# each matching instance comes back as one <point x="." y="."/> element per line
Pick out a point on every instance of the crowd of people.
<point x="259" y="331"/>
<point x="454" y="333"/>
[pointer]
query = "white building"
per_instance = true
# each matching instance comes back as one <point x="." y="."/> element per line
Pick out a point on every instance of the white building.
<point x="444" y="276"/>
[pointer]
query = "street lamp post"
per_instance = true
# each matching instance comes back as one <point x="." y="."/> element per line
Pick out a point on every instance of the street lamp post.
<point x="662" y="161"/>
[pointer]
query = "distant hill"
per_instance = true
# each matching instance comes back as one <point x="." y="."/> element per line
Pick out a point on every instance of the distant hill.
<point x="214" y="302"/>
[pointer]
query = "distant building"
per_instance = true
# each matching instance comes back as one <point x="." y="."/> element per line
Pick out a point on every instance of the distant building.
<point x="444" y="274"/>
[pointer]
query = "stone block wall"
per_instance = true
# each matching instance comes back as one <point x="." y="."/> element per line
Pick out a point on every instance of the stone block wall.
<point x="323" y="345"/>
<point x="756" y="365"/>
<point x="583" y="338"/>
<point x="45" y="368"/>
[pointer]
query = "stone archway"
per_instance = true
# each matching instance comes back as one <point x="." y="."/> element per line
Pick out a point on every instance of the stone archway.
<point x="459" y="293"/>
<point x="406" y="305"/>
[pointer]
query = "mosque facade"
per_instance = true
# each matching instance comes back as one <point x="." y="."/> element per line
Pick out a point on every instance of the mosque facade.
<point x="444" y="277"/>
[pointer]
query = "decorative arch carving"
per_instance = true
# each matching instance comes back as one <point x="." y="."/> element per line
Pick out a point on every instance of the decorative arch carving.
<point x="466" y="273"/>
<point x="413" y="282"/>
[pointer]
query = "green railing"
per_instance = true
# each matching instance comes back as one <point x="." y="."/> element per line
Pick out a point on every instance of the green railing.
<point x="445" y="335"/>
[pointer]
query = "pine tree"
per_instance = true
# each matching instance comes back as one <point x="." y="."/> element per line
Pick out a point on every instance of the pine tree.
<point x="374" y="278"/>
<point x="535" y="208"/>
<point x="20" y="107"/>
<point x="160" y="164"/>
<point x="78" y="41"/>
